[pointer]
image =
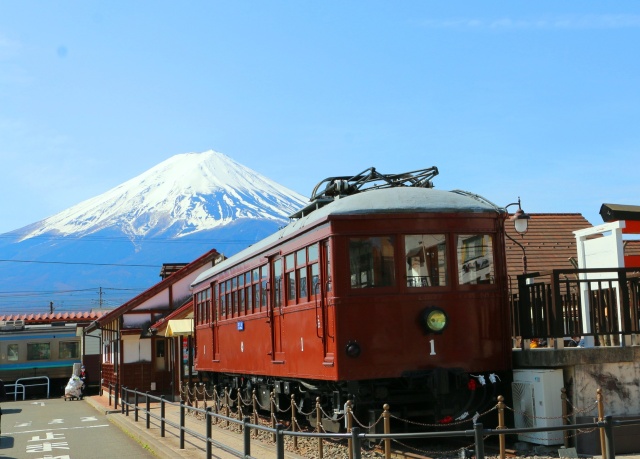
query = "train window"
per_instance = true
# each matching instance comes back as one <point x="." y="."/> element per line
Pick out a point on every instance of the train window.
<point x="291" y="286"/>
<point x="313" y="252"/>
<point x="223" y="301"/>
<point x="426" y="260"/>
<point x="248" y="298"/>
<point x="207" y="305"/>
<point x="69" y="350"/>
<point x="234" y="301"/>
<point x="290" y="277"/>
<point x="203" y="306"/>
<point x="211" y="306"/>
<point x="12" y="352"/>
<point x="475" y="259"/>
<point x="372" y="261"/>
<point x="241" y="301"/>
<point x="38" y="351"/>
<point x="202" y="314"/>
<point x="277" y="282"/>
<point x="199" y="308"/>
<point x="327" y="265"/>
<point x="289" y="262"/>
<point x="256" y="297"/>
<point x="302" y="283"/>
<point x="315" y="279"/>
<point x="264" y="275"/>
<point x="301" y="273"/>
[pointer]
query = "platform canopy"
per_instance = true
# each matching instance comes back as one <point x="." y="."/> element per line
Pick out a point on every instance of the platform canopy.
<point x="179" y="327"/>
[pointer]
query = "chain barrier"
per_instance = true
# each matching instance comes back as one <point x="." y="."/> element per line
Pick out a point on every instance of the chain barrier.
<point x="326" y="415"/>
<point x="456" y="422"/>
<point x="577" y="410"/>
<point x="565" y="417"/>
<point x="448" y="453"/>
<point x="299" y="410"/>
<point x="370" y="426"/>
<point x="191" y="397"/>
<point x="568" y="415"/>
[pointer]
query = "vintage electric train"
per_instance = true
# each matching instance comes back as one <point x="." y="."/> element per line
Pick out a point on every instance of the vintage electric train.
<point x="37" y="350"/>
<point x="382" y="290"/>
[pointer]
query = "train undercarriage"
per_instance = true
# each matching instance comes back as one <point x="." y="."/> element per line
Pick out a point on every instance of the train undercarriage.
<point x="436" y="397"/>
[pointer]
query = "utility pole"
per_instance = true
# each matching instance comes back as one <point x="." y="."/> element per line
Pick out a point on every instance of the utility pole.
<point x="51" y="307"/>
<point x="100" y="300"/>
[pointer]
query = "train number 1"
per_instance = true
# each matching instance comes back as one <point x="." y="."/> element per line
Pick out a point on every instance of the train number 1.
<point x="433" y="346"/>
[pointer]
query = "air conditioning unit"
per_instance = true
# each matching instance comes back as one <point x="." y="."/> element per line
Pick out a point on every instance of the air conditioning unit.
<point x="537" y="400"/>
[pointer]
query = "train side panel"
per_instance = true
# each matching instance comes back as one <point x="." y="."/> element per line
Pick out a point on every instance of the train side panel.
<point x="38" y="351"/>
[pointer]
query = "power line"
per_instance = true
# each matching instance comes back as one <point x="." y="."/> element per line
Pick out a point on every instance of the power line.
<point x="80" y="263"/>
<point x="20" y="302"/>
<point x="153" y="240"/>
<point x="59" y="292"/>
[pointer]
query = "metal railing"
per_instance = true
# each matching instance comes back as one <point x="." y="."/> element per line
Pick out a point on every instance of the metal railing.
<point x="17" y="389"/>
<point x="130" y="400"/>
<point x="600" y="303"/>
<point x="20" y="386"/>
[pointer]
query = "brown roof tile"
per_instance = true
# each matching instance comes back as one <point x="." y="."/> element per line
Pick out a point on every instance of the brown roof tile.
<point x="30" y="319"/>
<point x="548" y="243"/>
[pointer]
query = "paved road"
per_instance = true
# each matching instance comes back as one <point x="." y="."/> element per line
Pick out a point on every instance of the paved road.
<point x="55" y="429"/>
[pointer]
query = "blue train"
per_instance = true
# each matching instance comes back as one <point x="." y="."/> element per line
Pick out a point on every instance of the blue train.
<point x="37" y="350"/>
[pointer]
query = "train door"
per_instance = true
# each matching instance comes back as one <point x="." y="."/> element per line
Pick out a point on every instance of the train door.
<point x="276" y="310"/>
<point x="325" y="320"/>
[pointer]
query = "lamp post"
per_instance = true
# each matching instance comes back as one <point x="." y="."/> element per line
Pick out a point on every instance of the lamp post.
<point x="521" y="224"/>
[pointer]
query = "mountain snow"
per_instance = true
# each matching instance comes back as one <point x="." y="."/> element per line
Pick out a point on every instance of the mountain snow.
<point x="186" y="194"/>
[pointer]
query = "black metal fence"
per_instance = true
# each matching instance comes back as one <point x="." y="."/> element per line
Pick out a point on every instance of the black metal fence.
<point x="553" y="304"/>
<point x="140" y="404"/>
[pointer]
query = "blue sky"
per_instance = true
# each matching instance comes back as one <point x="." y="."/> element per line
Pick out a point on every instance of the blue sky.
<point x="533" y="99"/>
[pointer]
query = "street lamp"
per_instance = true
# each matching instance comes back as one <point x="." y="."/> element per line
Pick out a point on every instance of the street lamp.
<point x="520" y="218"/>
<point x="521" y="223"/>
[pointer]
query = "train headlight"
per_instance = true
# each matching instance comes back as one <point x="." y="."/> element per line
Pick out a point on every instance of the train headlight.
<point x="353" y="349"/>
<point x="434" y="320"/>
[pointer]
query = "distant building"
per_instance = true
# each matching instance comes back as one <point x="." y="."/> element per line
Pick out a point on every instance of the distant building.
<point x="133" y="356"/>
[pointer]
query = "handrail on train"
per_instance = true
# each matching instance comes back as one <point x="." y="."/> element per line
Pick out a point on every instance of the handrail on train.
<point x="18" y="382"/>
<point x="17" y="388"/>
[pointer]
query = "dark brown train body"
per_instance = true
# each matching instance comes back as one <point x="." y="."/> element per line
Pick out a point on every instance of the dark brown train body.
<point x="394" y="295"/>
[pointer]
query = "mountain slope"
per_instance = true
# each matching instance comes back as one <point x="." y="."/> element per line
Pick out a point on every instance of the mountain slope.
<point x="118" y="241"/>
<point x="183" y="195"/>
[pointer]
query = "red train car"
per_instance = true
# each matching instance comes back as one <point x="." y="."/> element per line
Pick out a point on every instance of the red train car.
<point x="382" y="290"/>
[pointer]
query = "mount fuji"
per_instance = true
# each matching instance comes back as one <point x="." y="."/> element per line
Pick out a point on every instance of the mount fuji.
<point x="105" y="250"/>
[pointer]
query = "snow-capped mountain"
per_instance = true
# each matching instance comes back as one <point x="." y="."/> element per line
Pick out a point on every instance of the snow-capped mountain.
<point x="183" y="195"/>
<point x="117" y="241"/>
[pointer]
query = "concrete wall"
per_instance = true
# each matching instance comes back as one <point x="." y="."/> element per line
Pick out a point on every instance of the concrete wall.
<point x="615" y="370"/>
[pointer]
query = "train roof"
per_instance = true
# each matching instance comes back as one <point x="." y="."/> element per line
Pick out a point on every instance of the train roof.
<point x="397" y="200"/>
